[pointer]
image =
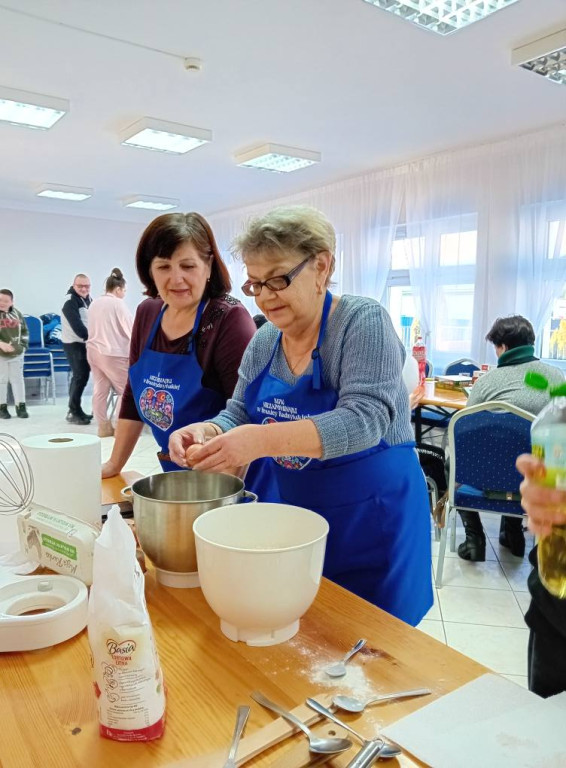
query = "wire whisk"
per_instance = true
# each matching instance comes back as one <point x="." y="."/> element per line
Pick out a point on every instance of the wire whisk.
<point x="16" y="477"/>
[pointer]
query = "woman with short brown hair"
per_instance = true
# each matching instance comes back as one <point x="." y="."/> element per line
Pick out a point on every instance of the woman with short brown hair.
<point x="187" y="342"/>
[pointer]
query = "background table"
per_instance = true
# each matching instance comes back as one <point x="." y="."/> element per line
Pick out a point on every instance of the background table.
<point x="444" y="401"/>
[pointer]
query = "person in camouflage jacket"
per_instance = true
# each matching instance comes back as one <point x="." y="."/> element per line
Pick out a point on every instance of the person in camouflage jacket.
<point x="14" y="340"/>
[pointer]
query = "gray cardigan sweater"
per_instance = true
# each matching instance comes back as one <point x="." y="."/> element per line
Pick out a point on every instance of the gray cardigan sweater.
<point x="508" y="384"/>
<point x="362" y="359"/>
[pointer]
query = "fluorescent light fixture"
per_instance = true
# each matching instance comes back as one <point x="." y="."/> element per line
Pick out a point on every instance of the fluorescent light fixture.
<point x="442" y="16"/>
<point x="150" y="202"/>
<point x="274" y="157"/>
<point x="160" y="136"/>
<point x="31" y="110"/>
<point x="546" y="57"/>
<point x="61" y="192"/>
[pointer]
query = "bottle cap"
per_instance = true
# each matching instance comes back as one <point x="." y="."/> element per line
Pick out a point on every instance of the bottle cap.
<point x="536" y="380"/>
<point x="559" y="391"/>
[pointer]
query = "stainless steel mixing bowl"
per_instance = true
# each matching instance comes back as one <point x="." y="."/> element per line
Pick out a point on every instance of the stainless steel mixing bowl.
<point x="166" y="506"/>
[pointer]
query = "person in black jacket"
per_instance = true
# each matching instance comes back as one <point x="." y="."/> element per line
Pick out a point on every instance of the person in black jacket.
<point x="546" y="617"/>
<point x="75" y="334"/>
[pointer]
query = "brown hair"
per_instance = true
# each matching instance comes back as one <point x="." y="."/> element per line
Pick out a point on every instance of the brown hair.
<point x="115" y="280"/>
<point x="165" y="234"/>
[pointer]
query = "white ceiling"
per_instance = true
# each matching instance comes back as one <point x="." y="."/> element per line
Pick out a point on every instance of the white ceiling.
<point x="360" y="85"/>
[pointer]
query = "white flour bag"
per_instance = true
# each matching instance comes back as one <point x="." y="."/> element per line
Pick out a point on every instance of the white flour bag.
<point x="128" y="681"/>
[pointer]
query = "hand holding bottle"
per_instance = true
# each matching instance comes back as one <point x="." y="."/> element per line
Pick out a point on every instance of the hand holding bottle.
<point x="545" y="506"/>
<point x="548" y="438"/>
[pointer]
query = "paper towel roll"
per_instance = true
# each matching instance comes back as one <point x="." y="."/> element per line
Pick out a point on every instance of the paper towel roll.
<point x="66" y="473"/>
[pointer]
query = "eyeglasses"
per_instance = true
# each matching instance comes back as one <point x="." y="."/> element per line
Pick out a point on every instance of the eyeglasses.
<point x="276" y="283"/>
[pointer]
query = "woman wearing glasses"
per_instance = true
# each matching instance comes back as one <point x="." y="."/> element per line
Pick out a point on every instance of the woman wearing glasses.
<point x="320" y="392"/>
<point x="187" y="342"/>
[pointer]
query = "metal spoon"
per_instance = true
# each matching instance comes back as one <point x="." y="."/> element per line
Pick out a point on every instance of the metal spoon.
<point x="320" y="746"/>
<point x="372" y="751"/>
<point x="351" y="704"/>
<point x="339" y="669"/>
<point x="241" y="719"/>
<point x="386" y="750"/>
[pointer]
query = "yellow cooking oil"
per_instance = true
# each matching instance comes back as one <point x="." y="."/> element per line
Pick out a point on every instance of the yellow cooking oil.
<point x="548" y="439"/>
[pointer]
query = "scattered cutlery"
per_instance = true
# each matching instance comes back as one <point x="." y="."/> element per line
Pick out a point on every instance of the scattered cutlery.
<point x="339" y="668"/>
<point x="372" y="751"/>
<point x="371" y="748"/>
<point x="241" y="720"/>
<point x="351" y="704"/>
<point x="320" y="746"/>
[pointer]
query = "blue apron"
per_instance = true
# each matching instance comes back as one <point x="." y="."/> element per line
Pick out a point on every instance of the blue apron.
<point x="375" y="501"/>
<point x="169" y="394"/>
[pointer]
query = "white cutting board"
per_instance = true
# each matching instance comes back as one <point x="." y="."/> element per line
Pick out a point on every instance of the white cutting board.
<point x="488" y="722"/>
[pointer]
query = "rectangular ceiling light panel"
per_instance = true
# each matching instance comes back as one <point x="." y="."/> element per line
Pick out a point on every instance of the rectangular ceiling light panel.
<point x="442" y="16"/>
<point x="161" y="136"/>
<point x="277" y="158"/>
<point x="61" y="192"/>
<point x="31" y="110"/>
<point x="150" y="202"/>
<point x="546" y="57"/>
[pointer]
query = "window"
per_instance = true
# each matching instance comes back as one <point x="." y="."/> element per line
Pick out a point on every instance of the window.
<point x="554" y="334"/>
<point x="403" y="313"/>
<point x="553" y="345"/>
<point x="458" y="248"/>
<point x="448" y="250"/>
<point x="455" y="310"/>
<point x="555" y="247"/>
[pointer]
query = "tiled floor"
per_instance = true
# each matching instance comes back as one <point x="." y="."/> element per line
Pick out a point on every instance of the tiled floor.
<point x="480" y="607"/>
<point x="479" y="610"/>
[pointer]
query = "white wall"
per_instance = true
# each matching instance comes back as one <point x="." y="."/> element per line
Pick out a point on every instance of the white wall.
<point x="41" y="253"/>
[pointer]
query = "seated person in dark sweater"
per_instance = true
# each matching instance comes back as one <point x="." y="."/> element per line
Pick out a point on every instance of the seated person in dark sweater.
<point x="513" y="338"/>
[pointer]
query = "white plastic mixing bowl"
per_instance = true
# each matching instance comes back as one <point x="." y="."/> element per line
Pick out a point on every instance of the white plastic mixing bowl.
<point x="260" y="567"/>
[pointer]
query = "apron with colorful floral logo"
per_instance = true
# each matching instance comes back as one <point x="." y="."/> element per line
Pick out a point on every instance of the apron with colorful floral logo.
<point x="169" y="394"/>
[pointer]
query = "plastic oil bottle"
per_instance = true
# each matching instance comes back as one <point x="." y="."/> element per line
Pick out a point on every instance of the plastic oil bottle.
<point x="548" y="439"/>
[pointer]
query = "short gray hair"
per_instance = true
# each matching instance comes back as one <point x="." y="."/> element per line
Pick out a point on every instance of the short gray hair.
<point x="296" y="228"/>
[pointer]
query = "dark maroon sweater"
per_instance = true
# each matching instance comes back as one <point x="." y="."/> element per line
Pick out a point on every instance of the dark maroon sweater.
<point x="225" y="330"/>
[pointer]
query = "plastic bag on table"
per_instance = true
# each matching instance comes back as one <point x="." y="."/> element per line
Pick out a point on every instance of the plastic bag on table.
<point x="128" y="680"/>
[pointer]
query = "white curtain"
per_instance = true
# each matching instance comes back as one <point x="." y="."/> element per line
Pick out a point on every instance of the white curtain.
<point x="364" y="212"/>
<point x="541" y="263"/>
<point x="505" y="201"/>
<point x="442" y="203"/>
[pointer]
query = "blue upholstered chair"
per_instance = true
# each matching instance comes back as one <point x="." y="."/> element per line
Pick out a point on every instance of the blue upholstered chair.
<point x="35" y="328"/>
<point x="463" y="365"/>
<point x="38" y="364"/>
<point x="483" y="444"/>
<point x="60" y="362"/>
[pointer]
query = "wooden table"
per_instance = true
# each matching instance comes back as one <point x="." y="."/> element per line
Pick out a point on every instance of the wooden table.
<point x="444" y="401"/>
<point x="112" y="486"/>
<point x="48" y="705"/>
